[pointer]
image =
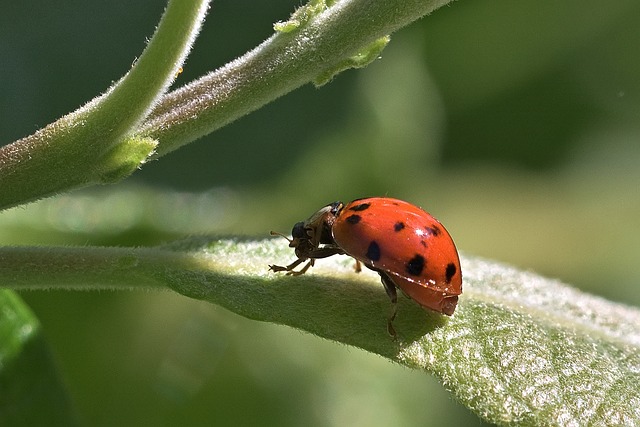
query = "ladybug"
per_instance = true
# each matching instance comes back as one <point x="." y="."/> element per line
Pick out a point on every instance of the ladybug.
<point x="405" y="245"/>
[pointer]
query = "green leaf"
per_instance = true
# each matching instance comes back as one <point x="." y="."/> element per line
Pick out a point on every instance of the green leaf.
<point x="520" y="349"/>
<point x="524" y="349"/>
<point x="30" y="391"/>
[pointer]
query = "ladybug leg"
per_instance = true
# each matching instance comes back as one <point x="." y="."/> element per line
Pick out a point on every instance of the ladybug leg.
<point x="310" y="255"/>
<point x="358" y="267"/>
<point x="390" y="287"/>
<point x="289" y="268"/>
<point x="301" y="271"/>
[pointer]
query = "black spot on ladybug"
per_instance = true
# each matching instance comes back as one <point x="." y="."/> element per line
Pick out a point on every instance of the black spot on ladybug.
<point x="373" y="251"/>
<point x="432" y="230"/>
<point x="398" y="226"/>
<point x="361" y="207"/>
<point x="450" y="272"/>
<point x="415" y="265"/>
<point x="423" y="243"/>
<point x="353" y="219"/>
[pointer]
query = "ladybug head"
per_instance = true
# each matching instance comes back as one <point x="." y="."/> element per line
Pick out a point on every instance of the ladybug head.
<point x="301" y="237"/>
<point x="298" y="231"/>
<point x="315" y="231"/>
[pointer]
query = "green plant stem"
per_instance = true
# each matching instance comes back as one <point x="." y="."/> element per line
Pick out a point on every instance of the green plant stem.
<point x="87" y="268"/>
<point x="323" y="46"/>
<point x="91" y="145"/>
<point x="109" y="138"/>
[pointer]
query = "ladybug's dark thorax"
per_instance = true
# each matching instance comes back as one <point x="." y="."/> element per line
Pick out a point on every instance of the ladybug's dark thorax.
<point x="326" y="236"/>
<point x="415" y="265"/>
<point x="373" y="251"/>
<point x="326" y="233"/>
<point x="450" y="272"/>
<point x="336" y="207"/>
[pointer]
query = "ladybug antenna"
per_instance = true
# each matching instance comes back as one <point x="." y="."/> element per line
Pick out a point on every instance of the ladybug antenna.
<point x="275" y="233"/>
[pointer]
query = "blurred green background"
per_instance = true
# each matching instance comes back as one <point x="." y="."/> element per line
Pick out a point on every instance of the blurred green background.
<point x="514" y="123"/>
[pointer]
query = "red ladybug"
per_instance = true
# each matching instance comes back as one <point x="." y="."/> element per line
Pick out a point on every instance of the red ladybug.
<point x="409" y="248"/>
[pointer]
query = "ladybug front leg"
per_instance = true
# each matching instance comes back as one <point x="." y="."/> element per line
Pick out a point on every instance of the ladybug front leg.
<point x="289" y="268"/>
<point x="310" y="255"/>
<point x="390" y="287"/>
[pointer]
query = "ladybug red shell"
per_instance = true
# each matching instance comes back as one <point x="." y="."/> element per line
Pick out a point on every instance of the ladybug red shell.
<point x="408" y="247"/>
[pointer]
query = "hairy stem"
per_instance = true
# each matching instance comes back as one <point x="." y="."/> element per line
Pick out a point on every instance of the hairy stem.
<point x="341" y="36"/>
<point x="91" y="145"/>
